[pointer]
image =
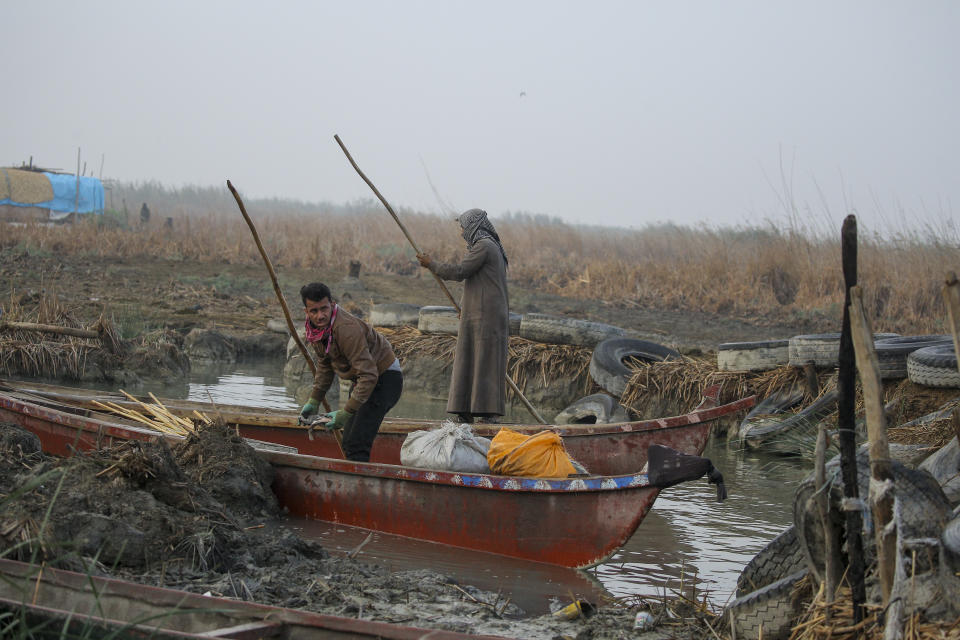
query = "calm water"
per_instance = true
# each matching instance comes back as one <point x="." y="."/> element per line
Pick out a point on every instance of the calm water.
<point x="686" y="538"/>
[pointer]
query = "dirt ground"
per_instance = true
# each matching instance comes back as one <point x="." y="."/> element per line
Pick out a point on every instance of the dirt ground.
<point x="180" y="296"/>
<point x="193" y="517"/>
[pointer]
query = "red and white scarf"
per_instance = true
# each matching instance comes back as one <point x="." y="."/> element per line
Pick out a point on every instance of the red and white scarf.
<point x="317" y="335"/>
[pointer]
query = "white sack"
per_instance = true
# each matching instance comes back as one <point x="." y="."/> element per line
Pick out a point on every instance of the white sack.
<point x="451" y="447"/>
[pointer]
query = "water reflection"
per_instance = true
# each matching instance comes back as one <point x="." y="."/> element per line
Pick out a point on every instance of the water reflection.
<point x="689" y="537"/>
<point x="250" y="384"/>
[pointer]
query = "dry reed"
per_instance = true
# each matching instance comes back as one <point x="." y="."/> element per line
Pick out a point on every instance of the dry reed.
<point x="768" y="273"/>
<point x="822" y="621"/>
<point x="155" y="416"/>
<point x="33" y="353"/>
<point x="686" y="378"/>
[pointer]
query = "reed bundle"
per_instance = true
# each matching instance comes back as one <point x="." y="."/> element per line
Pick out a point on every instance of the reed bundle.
<point x="27" y="187"/>
<point x="410" y="342"/>
<point x="157" y="416"/>
<point x="51" y="354"/>
<point x="685" y="378"/>
<point x="527" y="361"/>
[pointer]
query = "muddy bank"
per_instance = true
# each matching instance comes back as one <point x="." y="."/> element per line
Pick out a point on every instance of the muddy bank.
<point x="199" y="516"/>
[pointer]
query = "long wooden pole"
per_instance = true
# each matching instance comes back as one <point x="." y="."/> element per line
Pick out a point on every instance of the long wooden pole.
<point x="276" y="289"/>
<point x="881" y="471"/>
<point x="49" y="328"/>
<point x="513" y="385"/>
<point x="846" y="423"/>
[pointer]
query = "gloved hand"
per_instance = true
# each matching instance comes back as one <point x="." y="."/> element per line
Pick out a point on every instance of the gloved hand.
<point x="338" y="419"/>
<point x="308" y="410"/>
<point x="424" y="260"/>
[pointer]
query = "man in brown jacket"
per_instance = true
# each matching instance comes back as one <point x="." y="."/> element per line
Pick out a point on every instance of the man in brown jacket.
<point x="478" y="383"/>
<point x="352" y="350"/>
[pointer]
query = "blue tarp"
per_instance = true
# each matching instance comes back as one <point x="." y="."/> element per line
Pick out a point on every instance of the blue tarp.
<point x="65" y="195"/>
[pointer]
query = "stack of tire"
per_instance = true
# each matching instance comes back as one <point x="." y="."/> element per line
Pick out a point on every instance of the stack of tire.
<point x="767" y="601"/>
<point x="822" y="349"/>
<point x="926" y="359"/>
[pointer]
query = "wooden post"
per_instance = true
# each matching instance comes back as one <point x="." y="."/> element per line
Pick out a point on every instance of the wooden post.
<point x="881" y="471"/>
<point x="76" y="199"/>
<point x="821" y="498"/>
<point x="951" y="296"/>
<point x="846" y="425"/>
<point x="443" y="286"/>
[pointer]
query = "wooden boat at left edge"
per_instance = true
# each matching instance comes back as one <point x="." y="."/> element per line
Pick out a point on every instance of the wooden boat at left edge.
<point x="604" y="449"/>
<point x="572" y="522"/>
<point x="88" y="606"/>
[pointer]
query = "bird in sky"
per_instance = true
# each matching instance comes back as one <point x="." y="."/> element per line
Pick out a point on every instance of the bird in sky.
<point x="523" y="93"/>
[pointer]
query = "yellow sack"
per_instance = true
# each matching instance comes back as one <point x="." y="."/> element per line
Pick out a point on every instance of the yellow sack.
<point x="539" y="456"/>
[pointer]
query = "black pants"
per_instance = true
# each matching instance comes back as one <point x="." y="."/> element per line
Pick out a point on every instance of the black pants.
<point x="359" y="434"/>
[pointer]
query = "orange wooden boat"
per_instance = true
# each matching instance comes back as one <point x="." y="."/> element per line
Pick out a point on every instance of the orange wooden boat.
<point x="603" y="449"/>
<point x="573" y="522"/>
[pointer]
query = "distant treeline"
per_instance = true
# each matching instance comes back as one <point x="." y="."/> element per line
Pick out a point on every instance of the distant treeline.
<point x="198" y="200"/>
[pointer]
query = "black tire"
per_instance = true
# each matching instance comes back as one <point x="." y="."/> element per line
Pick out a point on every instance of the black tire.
<point x="540" y="327"/>
<point x="943" y="465"/>
<point x="934" y="367"/>
<point x="773" y="405"/>
<point x="395" y="315"/>
<point x="753" y="356"/>
<point x="598" y="408"/>
<point x="782" y="557"/>
<point x="606" y="364"/>
<point x="773" y="608"/>
<point x="951" y="543"/>
<point x="439" y="320"/>
<point x="823" y="349"/>
<point x="892" y="353"/>
<point x="760" y="433"/>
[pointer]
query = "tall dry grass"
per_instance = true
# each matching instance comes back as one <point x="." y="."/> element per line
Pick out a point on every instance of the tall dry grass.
<point x="768" y="271"/>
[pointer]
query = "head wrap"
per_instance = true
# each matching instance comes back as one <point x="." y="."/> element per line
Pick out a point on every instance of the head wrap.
<point x="475" y="226"/>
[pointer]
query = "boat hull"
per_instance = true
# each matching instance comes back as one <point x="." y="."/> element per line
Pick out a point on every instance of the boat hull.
<point x="574" y="522"/>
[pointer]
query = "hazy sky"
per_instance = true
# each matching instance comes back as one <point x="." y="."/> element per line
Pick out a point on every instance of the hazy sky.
<point x="621" y="113"/>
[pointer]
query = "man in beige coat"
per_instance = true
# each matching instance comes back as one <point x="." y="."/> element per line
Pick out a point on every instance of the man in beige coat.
<point x="478" y="381"/>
